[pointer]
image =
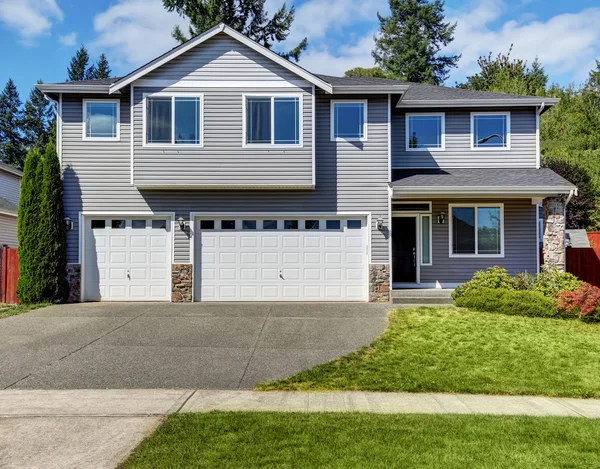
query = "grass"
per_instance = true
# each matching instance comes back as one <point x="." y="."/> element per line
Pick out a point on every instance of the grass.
<point x="12" y="310"/>
<point x="454" y="350"/>
<point x="269" y="440"/>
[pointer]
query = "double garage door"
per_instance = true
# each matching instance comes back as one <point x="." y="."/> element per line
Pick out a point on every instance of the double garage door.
<point x="235" y="258"/>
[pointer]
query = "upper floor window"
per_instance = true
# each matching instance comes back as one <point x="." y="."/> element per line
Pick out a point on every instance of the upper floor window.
<point x="273" y="120"/>
<point x="173" y="119"/>
<point x="425" y="131"/>
<point x="101" y="119"/>
<point x="348" y="120"/>
<point x="490" y="130"/>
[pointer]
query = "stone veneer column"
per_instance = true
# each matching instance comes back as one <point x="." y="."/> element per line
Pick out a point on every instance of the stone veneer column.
<point x="181" y="279"/>
<point x="554" y="232"/>
<point x="379" y="283"/>
<point x="74" y="282"/>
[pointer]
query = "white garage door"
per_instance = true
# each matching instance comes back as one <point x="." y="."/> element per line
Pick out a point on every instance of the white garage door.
<point x="127" y="259"/>
<point x="281" y="259"/>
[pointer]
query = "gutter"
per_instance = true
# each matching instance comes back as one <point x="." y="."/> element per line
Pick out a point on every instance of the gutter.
<point x="490" y="190"/>
<point x="475" y="102"/>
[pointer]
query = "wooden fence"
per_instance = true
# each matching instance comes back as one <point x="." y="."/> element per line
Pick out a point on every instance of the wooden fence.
<point x="584" y="263"/>
<point x="9" y="275"/>
<point x="594" y="237"/>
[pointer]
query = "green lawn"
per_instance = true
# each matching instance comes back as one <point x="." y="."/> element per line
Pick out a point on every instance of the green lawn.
<point x="454" y="350"/>
<point x="13" y="310"/>
<point x="280" y="440"/>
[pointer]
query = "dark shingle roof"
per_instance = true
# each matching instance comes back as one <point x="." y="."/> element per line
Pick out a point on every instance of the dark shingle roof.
<point x="9" y="169"/>
<point x="479" y="177"/>
<point x="350" y="81"/>
<point x="99" y="81"/>
<point x="7" y="206"/>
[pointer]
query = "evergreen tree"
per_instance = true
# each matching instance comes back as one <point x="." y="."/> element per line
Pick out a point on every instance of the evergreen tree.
<point x="37" y="119"/>
<point x="375" y="72"/>
<point x="52" y="242"/>
<point x="246" y="16"/>
<point x="101" y="69"/>
<point x="29" y="288"/>
<point x="12" y="143"/>
<point x="411" y="39"/>
<point x="78" y="67"/>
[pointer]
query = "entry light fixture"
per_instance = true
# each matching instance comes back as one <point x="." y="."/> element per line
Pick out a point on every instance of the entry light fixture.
<point x="181" y="222"/>
<point x="380" y="223"/>
<point x="68" y="224"/>
<point x="442" y="217"/>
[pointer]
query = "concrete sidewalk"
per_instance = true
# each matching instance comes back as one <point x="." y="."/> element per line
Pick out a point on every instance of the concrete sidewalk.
<point x="99" y="428"/>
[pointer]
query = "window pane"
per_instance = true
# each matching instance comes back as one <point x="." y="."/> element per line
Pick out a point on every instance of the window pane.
<point x="101" y="120"/>
<point x="158" y="116"/>
<point x="488" y="230"/>
<point x="187" y="120"/>
<point x="258" y="120"/>
<point x="290" y="225"/>
<point x="270" y="225"/>
<point x="311" y="224"/>
<point x="490" y="131"/>
<point x="248" y="224"/>
<point x="333" y="224"/>
<point x="138" y="224"/>
<point x="354" y="224"/>
<point x="463" y="230"/>
<point x="159" y="224"/>
<point x="118" y="224"/>
<point x="287" y="121"/>
<point x="348" y="120"/>
<point x="425" y="132"/>
<point x="425" y="238"/>
<point x="228" y="224"/>
<point x="98" y="224"/>
<point x="207" y="224"/>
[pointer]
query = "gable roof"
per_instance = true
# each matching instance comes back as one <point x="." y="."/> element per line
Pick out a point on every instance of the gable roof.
<point x="9" y="169"/>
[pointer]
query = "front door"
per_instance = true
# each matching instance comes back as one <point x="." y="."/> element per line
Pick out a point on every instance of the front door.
<point x="404" y="249"/>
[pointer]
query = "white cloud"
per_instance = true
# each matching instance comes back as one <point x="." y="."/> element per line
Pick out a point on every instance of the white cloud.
<point x="563" y="43"/>
<point x="136" y="31"/>
<point x="29" y="18"/>
<point x="68" y="40"/>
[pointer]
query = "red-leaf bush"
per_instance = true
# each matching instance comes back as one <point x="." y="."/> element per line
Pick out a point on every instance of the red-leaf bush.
<point x="582" y="302"/>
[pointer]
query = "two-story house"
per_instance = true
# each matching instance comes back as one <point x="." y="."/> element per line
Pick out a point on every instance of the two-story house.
<point x="10" y="184"/>
<point x="222" y="172"/>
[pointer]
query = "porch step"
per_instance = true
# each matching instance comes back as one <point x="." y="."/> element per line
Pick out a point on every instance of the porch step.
<point x="423" y="296"/>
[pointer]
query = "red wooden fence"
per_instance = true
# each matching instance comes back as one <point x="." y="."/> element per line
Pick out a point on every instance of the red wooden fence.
<point x="9" y="276"/>
<point x="594" y="237"/>
<point x="584" y="263"/>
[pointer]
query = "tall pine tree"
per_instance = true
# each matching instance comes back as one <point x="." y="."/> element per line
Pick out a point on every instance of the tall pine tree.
<point x="78" y="67"/>
<point x="411" y="39"/>
<point x="37" y="119"/>
<point x="246" y="16"/>
<point x="12" y="143"/>
<point x="101" y="69"/>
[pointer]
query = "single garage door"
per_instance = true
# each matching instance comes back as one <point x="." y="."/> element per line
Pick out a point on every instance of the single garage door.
<point x="281" y="259"/>
<point x="127" y="259"/>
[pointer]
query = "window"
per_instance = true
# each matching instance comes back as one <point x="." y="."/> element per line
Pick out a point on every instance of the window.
<point x="207" y="224"/>
<point x="348" y="120"/>
<point x="98" y="224"/>
<point x="411" y="207"/>
<point x="248" y="224"/>
<point x="273" y="120"/>
<point x="333" y="224"/>
<point x="311" y="224"/>
<point x="173" y="120"/>
<point x="101" y="120"/>
<point x="138" y="224"/>
<point x="425" y="131"/>
<point x="477" y="230"/>
<point x="118" y="224"/>
<point x="354" y="224"/>
<point x="159" y="224"/>
<point x="270" y="225"/>
<point x="425" y="239"/>
<point x="490" y="130"/>
<point x="228" y="224"/>
<point x="290" y="224"/>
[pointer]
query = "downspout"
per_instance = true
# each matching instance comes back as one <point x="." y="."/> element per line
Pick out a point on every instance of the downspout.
<point x="538" y="113"/>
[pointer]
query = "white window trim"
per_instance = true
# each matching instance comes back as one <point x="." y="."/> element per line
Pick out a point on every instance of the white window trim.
<point x="420" y="242"/>
<point x="476" y="206"/>
<point x="84" y="126"/>
<point x="508" y="131"/>
<point x="272" y="96"/>
<point x="365" y="103"/>
<point x="417" y="114"/>
<point x="172" y="96"/>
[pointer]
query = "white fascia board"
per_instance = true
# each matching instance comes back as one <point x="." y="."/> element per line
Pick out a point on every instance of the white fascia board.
<point x="71" y="88"/>
<point x="220" y="28"/>
<point x="380" y="89"/>
<point x="457" y="191"/>
<point x="7" y="213"/>
<point x="224" y="186"/>
<point x="475" y="102"/>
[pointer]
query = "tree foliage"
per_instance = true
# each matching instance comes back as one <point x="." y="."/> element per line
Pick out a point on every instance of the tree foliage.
<point x="78" y="66"/>
<point x="411" y="39"/>
<point x="101" y="69"/>
<point x="375" y="72"/>
<point x="12" y="142"/>
<point x="38" y="117"/>
<point x="246" y="16"/>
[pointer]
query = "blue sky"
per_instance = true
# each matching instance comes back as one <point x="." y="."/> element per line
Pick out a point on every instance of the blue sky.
<point x="38" y="37"/>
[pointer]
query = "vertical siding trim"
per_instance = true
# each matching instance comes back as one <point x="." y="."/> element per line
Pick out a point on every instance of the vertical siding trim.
<point x="131" y="102"/>
<point x="314" y="160"/>
<point x="537" y="137"/>
<point x="59" y="128"/>
<point x="537" y="233"/>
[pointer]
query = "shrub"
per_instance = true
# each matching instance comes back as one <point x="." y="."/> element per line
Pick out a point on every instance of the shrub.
<point x="492" y="277"/>
<point x="507" y="301"/>
<point x="525" y="281"/>
<point x="551" y="280"/>
<point x="583" y="302"/>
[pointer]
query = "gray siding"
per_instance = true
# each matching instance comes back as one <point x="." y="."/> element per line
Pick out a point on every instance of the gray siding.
<point x="349" y="177"/>
<point x="8" y="230"/>
<point x="9" y="187"/>
<point x="520" y="244"/>
<point x="223" y="160"/>
<point x="458" y="153"/>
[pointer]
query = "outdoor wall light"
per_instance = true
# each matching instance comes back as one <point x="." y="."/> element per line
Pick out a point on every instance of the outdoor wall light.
<point x="181" y="222"/>
<point x="442" y="217"/>
<point x="68" y="224"/>
<point x="379" y="223"/>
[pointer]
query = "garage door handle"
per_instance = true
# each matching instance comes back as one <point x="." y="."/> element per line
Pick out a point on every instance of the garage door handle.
<point x="128" y="275"/>
<point x="281" y="275"/>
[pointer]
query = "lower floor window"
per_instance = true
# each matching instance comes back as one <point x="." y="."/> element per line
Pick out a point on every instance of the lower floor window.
<point x="476" y="230"/>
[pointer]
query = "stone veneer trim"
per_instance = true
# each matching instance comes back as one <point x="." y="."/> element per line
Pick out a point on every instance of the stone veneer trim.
<point x="181" y="283"/>
<point x="379" y="283"/>
<point x="74" y="282"/>
<point x="554" y="232"/>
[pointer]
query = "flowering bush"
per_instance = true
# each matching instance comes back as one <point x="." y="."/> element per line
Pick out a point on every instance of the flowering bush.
<point x="582" y="302"/>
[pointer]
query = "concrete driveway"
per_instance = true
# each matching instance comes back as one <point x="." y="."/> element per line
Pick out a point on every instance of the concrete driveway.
<point x="165" y="345"/>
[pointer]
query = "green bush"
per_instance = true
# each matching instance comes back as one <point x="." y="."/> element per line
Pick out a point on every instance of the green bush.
<point x="492" y="277"/>
<point x="551" y="280"/>
<point x="507" y="301"/>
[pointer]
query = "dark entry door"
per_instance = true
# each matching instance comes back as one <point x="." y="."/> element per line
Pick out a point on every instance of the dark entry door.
<point x="404" y="249"/>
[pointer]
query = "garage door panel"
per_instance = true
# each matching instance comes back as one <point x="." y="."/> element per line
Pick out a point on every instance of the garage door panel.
<point x="118" y="241"/>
